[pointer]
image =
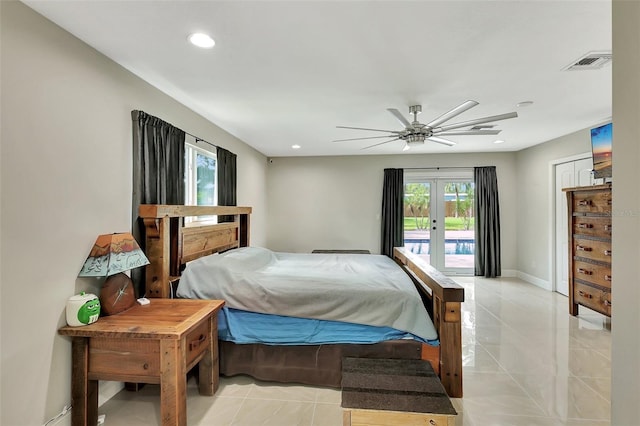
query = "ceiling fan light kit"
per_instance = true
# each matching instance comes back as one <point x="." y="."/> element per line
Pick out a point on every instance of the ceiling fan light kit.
<point x="415" y="133"/>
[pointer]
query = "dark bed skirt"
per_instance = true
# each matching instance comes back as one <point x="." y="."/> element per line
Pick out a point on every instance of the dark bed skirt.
<point x="319" y="365"/>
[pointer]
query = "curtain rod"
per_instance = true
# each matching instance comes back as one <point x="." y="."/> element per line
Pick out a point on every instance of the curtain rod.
<point x="201" y="140"/>
<point x="437" y="168"/>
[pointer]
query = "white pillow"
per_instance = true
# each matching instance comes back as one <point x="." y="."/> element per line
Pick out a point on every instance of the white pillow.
<point x="246" y="258"/>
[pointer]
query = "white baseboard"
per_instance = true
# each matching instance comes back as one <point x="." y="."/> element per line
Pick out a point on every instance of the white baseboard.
<point x="509" y="273"/>
<point x="534" y="280"/>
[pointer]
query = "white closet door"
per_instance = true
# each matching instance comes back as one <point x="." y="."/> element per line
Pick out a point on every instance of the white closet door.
<point x="565" y="178"/>
<point x="570" y="174"/>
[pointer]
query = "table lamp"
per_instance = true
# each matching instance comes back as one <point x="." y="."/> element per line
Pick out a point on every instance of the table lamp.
<point x="111" y="255"/>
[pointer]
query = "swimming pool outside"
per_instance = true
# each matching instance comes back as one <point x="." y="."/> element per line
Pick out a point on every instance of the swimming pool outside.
<point x="450" y="246"/>
<point x="459" y="247"/>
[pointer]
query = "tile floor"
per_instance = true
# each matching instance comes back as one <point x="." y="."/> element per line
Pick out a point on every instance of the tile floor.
<point x="526" y="362"/>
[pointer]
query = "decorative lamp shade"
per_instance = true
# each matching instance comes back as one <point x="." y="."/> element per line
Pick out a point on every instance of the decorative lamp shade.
<point x="112" y="254"/>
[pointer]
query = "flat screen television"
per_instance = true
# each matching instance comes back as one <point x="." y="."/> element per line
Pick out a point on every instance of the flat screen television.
<point x="601" y="144"/>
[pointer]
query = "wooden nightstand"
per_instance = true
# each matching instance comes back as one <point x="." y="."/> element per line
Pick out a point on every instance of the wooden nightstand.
<point x="155" y="343"/>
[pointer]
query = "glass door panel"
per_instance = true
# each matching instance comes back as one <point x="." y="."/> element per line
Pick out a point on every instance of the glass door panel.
<point x="439" y="223"/>
<point x="459" y="219"/>
<point x="417" y="228"/>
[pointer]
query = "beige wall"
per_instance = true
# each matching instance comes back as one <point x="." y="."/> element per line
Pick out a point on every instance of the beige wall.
<point x="536" y="202"/>
<point x="625" y="350"/>
<point x="66" y="177"/>
<point x="335" y="202"/>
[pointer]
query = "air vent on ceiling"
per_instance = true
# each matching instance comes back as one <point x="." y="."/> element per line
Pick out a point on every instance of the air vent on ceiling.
<point x="591" y="61"/>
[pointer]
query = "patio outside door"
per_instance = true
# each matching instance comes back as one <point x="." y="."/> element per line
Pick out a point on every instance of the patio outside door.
<point x="439" y="222"/>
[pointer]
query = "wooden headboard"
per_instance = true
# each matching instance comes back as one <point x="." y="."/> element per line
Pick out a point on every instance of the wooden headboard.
<point x="170" y="243"/>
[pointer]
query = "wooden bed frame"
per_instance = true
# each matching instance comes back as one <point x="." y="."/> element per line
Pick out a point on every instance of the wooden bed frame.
<point x="171" y="243"/>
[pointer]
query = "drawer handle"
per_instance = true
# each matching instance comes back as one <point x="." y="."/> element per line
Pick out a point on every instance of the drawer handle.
<point x="585" y="294"/>
<point x="193" y="345"/>
<point x="585" y="202"/>
<point x="585" y="271"/>
<point x="609" y="202"/>
<point x="607" y="252"/>
<point x="608" y="227"/>
<point x="607" y="277"/>
<point x="583" y="248"/>
<point x="585" y="225"/>
<point x="607" y="303"/>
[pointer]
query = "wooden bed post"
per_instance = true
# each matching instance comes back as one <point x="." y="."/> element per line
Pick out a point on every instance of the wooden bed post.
<point x="446" y="297"/>
<point x="244" y="231"/>
<point x="449" y="326"/>
<point x="157" y="248"/>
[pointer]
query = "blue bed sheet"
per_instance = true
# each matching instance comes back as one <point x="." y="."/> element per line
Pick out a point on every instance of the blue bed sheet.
<point x="243" y="327"/>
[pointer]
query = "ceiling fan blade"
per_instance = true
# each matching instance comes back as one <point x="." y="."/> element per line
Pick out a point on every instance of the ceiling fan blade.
<point x="442" y="141"/>
<point x="400" y="117"/>
<point x="359" y="139"/>
<point x="373" y="130"/>
<point x="470" y="132"/>
<point x="381" y="143"/>
<point x="450" y="114"/>
<point x="476" y="121"/>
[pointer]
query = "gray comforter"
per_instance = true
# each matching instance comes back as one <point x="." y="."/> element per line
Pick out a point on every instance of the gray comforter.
<point x="357" y="288"/>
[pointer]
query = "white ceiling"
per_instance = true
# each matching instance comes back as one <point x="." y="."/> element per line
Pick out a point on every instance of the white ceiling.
<point x="288" y="72"/>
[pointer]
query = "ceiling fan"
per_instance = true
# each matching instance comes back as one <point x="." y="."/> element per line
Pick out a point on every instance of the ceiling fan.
<point x="415" y="133"/>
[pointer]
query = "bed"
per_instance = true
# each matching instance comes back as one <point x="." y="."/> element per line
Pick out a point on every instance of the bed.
<point x="172" y="243"/>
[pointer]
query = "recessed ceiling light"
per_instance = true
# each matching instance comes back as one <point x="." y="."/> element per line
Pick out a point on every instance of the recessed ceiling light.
<point x="498" y="141"/>
<point x="202" y="40"/>
<point x="524" y="104"/>
<point x="295" y="146"/>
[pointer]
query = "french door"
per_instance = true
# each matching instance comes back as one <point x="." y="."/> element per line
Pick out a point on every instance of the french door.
<point x="439" y="220"/>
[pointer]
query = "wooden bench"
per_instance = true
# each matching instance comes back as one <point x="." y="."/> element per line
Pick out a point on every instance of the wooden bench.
<point x="393" y="392"/>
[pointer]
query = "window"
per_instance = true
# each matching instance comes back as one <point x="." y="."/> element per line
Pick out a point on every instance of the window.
<point x="201" y="187"/>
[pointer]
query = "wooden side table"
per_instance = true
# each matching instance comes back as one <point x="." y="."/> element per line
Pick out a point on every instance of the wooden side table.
<point x="155" y="343"/>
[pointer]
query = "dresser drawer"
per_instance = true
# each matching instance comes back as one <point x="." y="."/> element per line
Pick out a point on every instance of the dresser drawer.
<point x="593" y="298"/>
<point x="592" y="202"/>
<point x="596" y="274"/>
<point x="197" y="341"/>
<point x="126" y="359"/>
<point x="590" y="225"/>
<point x="592" y="249"/>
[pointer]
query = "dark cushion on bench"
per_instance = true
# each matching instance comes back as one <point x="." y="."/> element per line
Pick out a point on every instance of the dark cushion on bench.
<point x="393" y="384"/>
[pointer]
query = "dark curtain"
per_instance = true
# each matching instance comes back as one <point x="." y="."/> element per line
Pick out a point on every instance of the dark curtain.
<point x="158" y="171"/>
<point x="487" y="234"/>
<point x="392" y="211"/>
<point x="226" y="163"/>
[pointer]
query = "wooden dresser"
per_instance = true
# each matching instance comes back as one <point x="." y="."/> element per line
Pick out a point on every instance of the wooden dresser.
<point x="590" y="247"/>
